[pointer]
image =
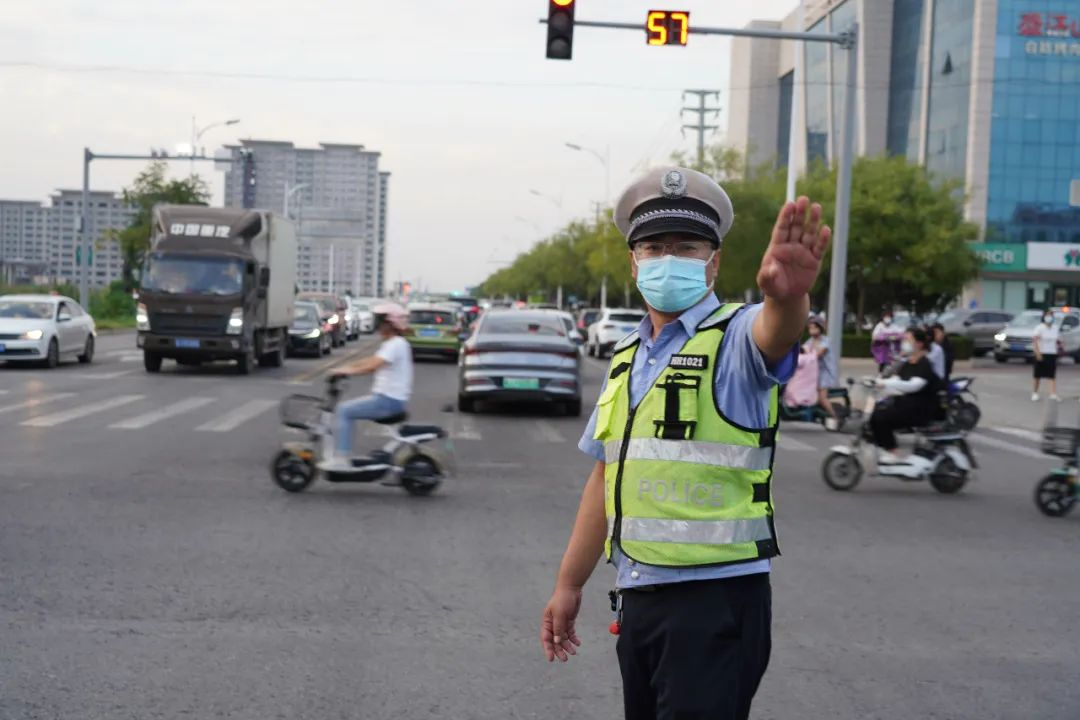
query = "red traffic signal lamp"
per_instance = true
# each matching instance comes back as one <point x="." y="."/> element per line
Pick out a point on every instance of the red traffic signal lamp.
<point x="560" y="29"/>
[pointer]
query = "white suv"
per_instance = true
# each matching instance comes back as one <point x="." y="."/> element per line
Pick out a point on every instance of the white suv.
<point x="612" y="326"/>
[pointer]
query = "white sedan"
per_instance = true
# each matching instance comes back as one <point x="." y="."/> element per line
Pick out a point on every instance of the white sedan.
<point x="45" y="328"/>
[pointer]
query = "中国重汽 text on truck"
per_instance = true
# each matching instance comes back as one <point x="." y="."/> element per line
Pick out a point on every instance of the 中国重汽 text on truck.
<point x="218" y="284"/>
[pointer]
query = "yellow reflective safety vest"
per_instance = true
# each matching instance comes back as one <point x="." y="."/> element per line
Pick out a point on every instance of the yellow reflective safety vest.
<point x="684" y="486"/>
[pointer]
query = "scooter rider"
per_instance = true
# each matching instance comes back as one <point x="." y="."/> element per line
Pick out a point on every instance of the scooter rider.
<point x="390" y="391"/>
<point x="683" y="438"/>
<point x="913" y="397"/>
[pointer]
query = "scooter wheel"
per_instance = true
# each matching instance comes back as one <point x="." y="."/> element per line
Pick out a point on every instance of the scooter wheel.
<point x="420" y="476"/>
<point x="292" y="472"/>
<point x="1054" y="496"/>
<point x="948" y="478"/>
<point x="841" y="472"/>
<point x="967" y="416"/>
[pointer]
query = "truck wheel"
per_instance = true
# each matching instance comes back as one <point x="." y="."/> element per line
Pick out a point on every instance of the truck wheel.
<point x="275" y="358"/>
<point x="245" y="362"/>
<point x="151" y="361"/>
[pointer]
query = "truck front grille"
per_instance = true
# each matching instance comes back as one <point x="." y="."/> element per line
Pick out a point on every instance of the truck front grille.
<point x="170" y="324"/>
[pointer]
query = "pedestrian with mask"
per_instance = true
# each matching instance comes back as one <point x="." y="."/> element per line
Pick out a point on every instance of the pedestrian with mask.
<point x="818" y="344"/>
<point x="885" y="341"/>
<point x="942" y="341"/>
<point x="683" y="435"/>
<point x="1046" y="344"/>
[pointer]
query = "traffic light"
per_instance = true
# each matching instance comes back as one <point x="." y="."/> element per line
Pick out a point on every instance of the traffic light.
<point x="247" y="195"/>
<point x="560" y="29"/>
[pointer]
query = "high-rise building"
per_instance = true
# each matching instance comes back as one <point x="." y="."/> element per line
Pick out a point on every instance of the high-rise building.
<point x="384" y="198"/>
<point x="983" y="91"/>
<point x="108" y="214"/>
<point x="24" y="242"/>
<point x="39" y="243"/>
<point x="332" y="193"/>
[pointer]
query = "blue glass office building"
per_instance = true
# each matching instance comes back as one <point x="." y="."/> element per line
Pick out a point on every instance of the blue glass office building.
<point x="985" y="91"/>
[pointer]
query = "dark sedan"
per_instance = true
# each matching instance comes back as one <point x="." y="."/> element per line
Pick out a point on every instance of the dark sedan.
<point x="520" y="356"/>
<point x="309" y="334"/>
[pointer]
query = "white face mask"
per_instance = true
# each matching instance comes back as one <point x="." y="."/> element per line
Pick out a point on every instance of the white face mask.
<point x="1049" y="319"/>
<point x="887" y="320"/>
<point x="906" y="347"/>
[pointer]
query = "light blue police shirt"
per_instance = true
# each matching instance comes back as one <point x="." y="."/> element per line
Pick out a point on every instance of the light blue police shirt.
<point x="743" y="382"/>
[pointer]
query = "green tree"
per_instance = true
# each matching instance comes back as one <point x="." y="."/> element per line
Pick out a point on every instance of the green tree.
<point x="908" y="241"/>
<point x="150" y="188"/>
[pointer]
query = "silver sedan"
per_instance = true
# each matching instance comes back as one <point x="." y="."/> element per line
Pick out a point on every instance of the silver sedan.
<point x="45" y="328"/>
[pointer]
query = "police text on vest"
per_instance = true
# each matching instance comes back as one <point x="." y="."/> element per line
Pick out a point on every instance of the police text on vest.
<point x="682" y="492"/>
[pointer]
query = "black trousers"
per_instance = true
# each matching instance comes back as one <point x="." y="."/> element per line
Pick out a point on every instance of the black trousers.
<point x="695" y="650"/>
<point x="892" y="415"/>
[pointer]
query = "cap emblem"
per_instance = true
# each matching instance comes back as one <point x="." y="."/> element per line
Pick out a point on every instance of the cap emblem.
<point x="673" y="184"/>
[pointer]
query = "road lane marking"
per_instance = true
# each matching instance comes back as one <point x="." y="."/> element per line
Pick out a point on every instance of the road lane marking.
<point x="102" y="375"/>
<point x="548" y="432"/>
<point x="178" y="408"/>
<point x="233" y="419"/>
<point x="34" y="402"/>
<point x="4" y="392"/>
<point x="789" y="443"/>
<point x="1006" y="445"/>
<point x="81" y="411"/>
<point x="466" y="429"/>
<point x="1019" y="432"/>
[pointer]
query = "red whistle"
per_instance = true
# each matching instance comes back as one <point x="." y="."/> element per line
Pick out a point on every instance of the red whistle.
<point x="613" y="628"/>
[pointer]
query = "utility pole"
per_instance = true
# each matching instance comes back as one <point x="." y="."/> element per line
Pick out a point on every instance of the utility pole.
<point x="700" y="110"/>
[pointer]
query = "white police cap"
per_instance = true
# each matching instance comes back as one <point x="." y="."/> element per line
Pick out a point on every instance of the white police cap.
<point x="674" y="200"/>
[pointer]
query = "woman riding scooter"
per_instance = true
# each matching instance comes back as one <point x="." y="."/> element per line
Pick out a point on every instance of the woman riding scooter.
<point x="390" y="390"/>
<point x="885" y="341"/>
<point x="913" y="397"/>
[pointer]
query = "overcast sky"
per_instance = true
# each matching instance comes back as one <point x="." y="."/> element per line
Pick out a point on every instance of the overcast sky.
<point x="468" y="114"/>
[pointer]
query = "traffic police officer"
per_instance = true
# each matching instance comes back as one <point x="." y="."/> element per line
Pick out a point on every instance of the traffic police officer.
<point x="684" y="436"/>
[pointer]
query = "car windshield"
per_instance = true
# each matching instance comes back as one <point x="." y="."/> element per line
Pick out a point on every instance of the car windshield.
<point x="360" y="307"/>
<point x="520" y="324"/>
<point x="1026" y="320"/>
<point x="306" y="315"/>
<point x="947" y="317"/>
<point x="26" y="310"/>
<point x="590" y="317"/>
<point x="431" y="317"/>
<point x="626" y="317"/>
<point x="176" y="274"/>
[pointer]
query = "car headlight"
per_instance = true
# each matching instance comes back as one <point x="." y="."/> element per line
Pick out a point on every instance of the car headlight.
<point x="313" y="334"/>
<point x="1000" y="337"/>
<point x="32" y="335"/>
<point x="236" y="321"/>
<point x="142" y="318"/>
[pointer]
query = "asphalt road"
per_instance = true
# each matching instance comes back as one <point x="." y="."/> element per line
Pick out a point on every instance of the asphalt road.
<point x="150" y="569"/>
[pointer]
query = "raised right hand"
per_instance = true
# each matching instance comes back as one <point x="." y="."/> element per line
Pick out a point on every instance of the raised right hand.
<point x="558" y="638"/>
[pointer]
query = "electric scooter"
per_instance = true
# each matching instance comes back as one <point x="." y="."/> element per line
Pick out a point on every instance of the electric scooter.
<point x="941" y="455"/>
<point x="963" y="411"/>
<point x="1058" y="493"/>
<point x="411" y="458"/>
<point x="816" y="413"/>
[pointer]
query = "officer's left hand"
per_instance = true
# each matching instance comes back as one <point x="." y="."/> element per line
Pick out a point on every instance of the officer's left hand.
<point x="791" y="263"/>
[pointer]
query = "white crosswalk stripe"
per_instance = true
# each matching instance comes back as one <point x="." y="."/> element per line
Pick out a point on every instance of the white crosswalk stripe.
<point x="35" y="402"/>
<point x="1000" y="444"/>
<point x="1019" y="432"/>
<point x="59" y="418"/>
<point x="235" y="418"/>
<point x="789" y="443"/>
<point x="466" y="429"/>
<point x="102" y="375"/>
<point x="548" y="432"/>
<point x="177" y="408"/>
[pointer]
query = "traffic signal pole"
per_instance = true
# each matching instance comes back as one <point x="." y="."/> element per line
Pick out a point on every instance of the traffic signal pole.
<point x="847" y="40"/>
<point x="84" y="220"/>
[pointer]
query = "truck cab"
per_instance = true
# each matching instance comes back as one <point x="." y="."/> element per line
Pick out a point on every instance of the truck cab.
<point x="217" y="284"/>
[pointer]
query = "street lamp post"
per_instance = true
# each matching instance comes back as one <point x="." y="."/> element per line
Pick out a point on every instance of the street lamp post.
<point x="605" y="160"/>
<point x="557" y="202"/>
<point x="289" y="192"/>
<point x="197" y="133"/>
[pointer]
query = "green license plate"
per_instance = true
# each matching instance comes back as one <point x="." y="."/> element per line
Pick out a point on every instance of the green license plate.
<point x="521" y="383"/>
